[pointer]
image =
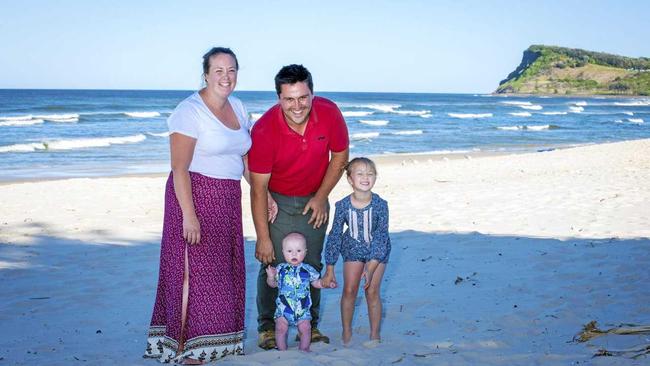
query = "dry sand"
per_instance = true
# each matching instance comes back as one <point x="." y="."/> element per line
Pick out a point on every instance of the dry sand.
<point x="497" y="260"/>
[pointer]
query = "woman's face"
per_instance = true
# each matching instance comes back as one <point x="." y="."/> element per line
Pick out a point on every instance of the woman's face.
<point x="222" y="75"/>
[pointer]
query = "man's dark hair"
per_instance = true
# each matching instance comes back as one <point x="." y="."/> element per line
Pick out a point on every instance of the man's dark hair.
<point x="215" y="51"/>
<point x="292" y="74"/>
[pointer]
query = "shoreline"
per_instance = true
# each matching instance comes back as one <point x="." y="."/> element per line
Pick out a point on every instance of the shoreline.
<point x="392" y="157"/>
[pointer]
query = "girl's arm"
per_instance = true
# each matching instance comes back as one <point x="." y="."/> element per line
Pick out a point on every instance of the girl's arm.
<point x="329" y="279"/>
<point x="380" y="243"/>
<point x="335" y="237"/>
<point x="371" y="266"/>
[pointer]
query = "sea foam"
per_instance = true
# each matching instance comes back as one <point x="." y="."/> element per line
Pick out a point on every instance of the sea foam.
<point x="356" y="113"/>
<point x="364" y="135"/>
<point x="534" y="107"/>
<point x="516" y="103"/>
<point x="17" y="118"/>
<point x="576" y="109"/>
<point x="636" y="103"/>
<point x="520" y="114"/>
<point x="635" y="120"/>
<point x="21" y="122"/>
<point x="386" y="108"/>
<point x="408" y="132"/>
<point x="142" y="114"/>
<point x="527" y="128"/>
<point x="412" y="113"/>
<point x="374" y="122"/>
<point x="73" y="144"/>
<point x="554" y="113"/>
<point x="470" y="115"/>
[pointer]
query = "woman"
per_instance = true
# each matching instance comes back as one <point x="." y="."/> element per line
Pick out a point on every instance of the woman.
<point x="198" y="315"/>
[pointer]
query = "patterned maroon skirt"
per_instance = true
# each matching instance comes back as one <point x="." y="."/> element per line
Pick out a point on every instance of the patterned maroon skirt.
<point x="215" y="308"/>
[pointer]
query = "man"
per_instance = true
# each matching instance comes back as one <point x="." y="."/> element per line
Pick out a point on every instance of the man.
<point x="300" y="148"/>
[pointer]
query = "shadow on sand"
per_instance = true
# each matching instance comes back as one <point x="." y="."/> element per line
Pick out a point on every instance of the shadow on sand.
<point x="450" y="298"/>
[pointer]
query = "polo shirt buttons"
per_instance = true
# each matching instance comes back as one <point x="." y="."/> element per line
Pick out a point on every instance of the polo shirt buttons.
<point x="303" y="146"/>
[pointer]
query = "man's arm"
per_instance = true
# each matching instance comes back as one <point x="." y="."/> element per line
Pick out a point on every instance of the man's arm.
<point x="259" y="208"/>
<point x="318" y="203"/>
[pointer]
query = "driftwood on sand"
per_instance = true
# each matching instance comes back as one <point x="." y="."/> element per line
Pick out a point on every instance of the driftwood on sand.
<point x="591" y="331"/>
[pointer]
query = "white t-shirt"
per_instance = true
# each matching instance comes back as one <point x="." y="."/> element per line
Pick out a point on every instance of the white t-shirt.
<point x="219" y="149"/>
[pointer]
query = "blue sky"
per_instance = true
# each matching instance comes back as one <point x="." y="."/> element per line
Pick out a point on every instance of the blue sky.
<point x="378" y="46"/>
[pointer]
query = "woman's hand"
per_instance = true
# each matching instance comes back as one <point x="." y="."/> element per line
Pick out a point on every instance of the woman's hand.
<point x="191" y="229"/>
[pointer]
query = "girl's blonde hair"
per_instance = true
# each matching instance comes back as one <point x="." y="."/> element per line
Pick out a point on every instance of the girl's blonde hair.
<point x="360" y="160"/>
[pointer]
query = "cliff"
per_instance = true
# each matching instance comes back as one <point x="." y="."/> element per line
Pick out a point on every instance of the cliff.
<point x="572" y="71"/>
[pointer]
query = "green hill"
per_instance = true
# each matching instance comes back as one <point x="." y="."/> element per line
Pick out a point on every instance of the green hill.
<point x="569" y="71"/>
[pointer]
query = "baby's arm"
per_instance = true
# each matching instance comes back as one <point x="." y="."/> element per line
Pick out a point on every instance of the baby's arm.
<point x="271" y="273"/>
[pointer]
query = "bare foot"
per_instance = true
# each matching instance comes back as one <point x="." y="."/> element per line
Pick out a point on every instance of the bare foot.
<point x="346" y="338"/>
<point x="372" y="343"/>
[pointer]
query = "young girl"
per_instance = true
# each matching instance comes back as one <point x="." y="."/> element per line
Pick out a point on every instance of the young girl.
<point x="364" y="245"/>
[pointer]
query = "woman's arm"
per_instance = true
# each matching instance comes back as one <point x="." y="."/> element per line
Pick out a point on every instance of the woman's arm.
<point x="181" y="150"/>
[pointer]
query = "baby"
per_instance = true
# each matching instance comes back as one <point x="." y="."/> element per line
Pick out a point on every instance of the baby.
<point x="293" y="279"/>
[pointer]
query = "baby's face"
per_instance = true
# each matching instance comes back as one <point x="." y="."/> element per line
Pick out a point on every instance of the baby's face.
<point x="294" y="250"/>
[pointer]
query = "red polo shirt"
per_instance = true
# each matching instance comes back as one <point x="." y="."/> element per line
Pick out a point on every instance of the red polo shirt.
<point x="297" y="164"/>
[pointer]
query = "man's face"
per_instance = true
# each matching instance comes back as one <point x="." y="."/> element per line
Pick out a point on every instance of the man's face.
<point x="295" y="100"/>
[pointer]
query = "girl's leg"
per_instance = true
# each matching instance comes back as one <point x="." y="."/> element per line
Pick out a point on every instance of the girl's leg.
<point x="304" y="327"/>
<point x="352" y="272"/>
<point x="281" y="330"/>
<point x="374" y="301"/>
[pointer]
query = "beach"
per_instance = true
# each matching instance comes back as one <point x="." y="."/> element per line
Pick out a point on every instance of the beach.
<point x="496" y="260"/>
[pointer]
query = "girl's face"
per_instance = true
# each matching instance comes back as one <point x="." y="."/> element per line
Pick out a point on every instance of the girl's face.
<point x="362" y="177"/>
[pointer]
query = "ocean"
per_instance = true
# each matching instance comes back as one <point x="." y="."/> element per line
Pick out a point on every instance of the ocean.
<point x="90" y="133"/>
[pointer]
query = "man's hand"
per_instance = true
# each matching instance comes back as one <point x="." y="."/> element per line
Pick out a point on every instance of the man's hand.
<point x="264" y="251"/>
<point x="318" y="207"/>
<point x="272" y="208"/>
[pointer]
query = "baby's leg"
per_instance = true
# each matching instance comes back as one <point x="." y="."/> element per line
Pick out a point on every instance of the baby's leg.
<point x="304" y="327"/>
<point x="352" y="272"/>
<point x="281" y="330"/>
<point x="374" y="301"/>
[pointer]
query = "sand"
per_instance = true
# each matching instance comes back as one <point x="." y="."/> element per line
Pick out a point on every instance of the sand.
<point x="497" y="260"/>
